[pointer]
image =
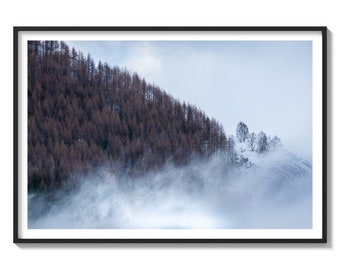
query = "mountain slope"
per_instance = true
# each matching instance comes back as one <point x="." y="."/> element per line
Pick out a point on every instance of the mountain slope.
<point x="82" y="115"/>
<point x="239" y="188"/>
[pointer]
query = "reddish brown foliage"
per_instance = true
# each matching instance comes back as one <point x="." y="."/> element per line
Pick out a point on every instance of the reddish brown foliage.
<point x="81" y="116"/>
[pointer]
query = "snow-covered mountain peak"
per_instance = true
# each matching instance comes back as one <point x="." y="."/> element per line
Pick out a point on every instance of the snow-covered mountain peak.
<point x="250" y="150"/>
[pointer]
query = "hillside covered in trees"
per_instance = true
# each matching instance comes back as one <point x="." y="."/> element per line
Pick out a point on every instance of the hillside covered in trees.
<point x="82" y="115"/>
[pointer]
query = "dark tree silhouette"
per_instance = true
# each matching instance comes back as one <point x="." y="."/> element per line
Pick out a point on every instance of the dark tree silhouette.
<point x="242" y="132"/>
<point x="262" y="142"/>
<point x="252" y="141"/>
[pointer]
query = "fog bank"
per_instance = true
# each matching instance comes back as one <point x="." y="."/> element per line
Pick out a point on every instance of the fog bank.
<point x="275" y="192"/>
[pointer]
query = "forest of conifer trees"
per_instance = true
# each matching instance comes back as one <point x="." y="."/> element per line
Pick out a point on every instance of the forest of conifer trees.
<point x="82" y="115"/>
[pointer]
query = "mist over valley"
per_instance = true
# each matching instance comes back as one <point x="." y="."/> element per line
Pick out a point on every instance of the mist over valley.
<point x="108" y="150"/>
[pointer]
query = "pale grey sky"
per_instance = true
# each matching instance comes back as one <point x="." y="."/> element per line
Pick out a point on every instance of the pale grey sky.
<point x="266" y="84"/>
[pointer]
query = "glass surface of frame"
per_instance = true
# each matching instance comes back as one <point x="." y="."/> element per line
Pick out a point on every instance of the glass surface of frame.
<point x="170" y="134"/>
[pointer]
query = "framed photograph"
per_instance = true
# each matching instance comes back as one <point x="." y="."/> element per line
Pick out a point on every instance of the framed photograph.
<point x="170" y="134"/>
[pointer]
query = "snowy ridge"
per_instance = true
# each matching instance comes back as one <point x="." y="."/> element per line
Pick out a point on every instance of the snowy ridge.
<point x="286" y="160"/>
<point x="259" y="150"/>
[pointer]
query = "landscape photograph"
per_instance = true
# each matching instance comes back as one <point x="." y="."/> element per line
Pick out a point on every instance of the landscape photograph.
<point x="169" y="134"/>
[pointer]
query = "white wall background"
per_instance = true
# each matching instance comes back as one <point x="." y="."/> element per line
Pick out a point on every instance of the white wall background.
<point x="174" y="12"/>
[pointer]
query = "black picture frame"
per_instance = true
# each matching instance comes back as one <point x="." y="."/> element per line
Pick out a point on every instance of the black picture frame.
<point x="18" y="172"/>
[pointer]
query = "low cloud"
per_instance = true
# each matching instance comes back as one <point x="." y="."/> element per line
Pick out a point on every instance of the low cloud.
<point x="204" y="195"/>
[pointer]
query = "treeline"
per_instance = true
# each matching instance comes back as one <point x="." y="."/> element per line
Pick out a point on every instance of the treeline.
<point x="82" y="115"/>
